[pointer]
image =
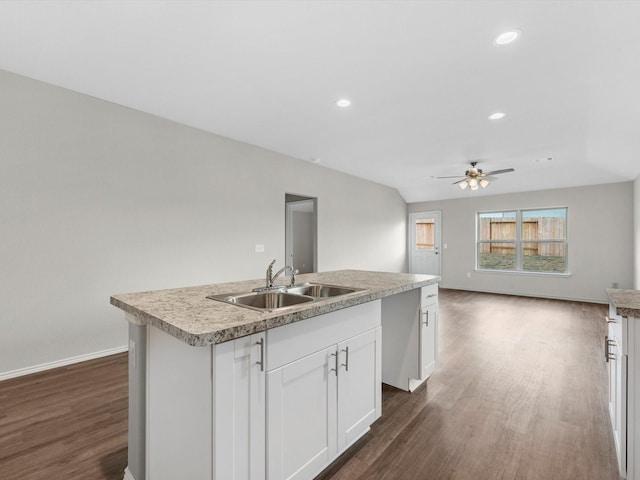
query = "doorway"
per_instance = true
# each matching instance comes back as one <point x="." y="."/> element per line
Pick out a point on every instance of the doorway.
<point x="424" y="243"/>
<point x="301" y="233"/>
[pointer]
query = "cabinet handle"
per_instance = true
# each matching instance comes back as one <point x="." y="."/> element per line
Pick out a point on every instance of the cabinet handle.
<point x="606" y="348"/>
<point x="261" y="361"/>
<point x="611" y="356"/>
<point x="608" y="320"/>
<point x="426" y="317"/>
<point x="346" y="365"/>
<point x="334" y="369"/>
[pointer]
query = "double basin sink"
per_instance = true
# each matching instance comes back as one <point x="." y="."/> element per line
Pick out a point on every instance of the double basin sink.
<point x="285" y="297"/>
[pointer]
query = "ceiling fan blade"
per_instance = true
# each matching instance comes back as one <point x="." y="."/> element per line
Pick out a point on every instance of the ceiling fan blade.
<point x="452" y="176"/>
<point x="496" y="172"/>
<point x="460" y="181"/>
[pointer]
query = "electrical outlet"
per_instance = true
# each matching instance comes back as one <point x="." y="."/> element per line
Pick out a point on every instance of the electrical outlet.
<point x="259" y="248"/>
<point x="468" y="274"/>
<point x="132" y="353"/>
<point x="614" y="285"/>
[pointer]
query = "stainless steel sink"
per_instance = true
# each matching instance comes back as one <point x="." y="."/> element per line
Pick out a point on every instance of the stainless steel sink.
<point x="319" y="290"/>
<point x="267" y="301"/>
<point x="264" y="301"/>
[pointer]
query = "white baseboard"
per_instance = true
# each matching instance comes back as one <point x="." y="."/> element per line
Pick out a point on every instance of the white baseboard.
<point x="62" y="363"/>
<point x="127" y="474"/>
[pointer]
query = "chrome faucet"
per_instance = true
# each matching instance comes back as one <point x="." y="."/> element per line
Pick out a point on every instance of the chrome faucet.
<point x="271" y="278"/>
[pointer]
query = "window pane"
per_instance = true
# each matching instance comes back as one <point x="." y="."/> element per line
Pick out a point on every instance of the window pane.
<point x="497" y="226"/>
<point x="544" y="257"/>
<point x="550" y="224"/>
<point x="425" y="235"/>
<point x="497" y="256"/>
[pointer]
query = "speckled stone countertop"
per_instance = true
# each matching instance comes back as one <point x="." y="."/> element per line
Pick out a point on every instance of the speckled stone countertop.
<point x="187" y="313"/>
<point x="627" y="302"/>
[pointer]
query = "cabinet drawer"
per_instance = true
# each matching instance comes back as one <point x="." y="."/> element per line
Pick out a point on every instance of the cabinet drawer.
<point x="429" y="294"/>
<point x="296" y="340"/>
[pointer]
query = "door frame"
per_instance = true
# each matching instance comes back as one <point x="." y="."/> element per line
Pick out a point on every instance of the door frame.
<point x="291" y="203"/>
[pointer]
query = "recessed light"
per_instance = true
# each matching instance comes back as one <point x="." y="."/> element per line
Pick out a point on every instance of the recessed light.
<point x="343" y="102"/>
<point x="506" y="37"/>
<point x="497" y="116"/>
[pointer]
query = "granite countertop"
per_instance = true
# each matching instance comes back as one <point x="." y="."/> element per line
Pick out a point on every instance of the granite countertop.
<point x="187" y="313"/>
<point x="627" y="302"/>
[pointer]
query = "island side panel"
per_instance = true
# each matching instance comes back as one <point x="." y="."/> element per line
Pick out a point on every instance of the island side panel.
<point x="179" y="409"/>
<point x="137" y="401"/>
<point x="400" y="338"/>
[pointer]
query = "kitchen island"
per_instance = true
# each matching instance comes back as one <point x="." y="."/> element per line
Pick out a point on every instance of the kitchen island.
<point x="622" y="354"/>
<point x="220" y="391"/>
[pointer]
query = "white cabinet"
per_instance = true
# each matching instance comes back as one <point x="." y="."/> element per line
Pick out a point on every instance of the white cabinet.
<point x="617" y="370"/>
<point x="359" y="385"/>
<point x="410" y="332"/>
<point x="428" y="331"/>
<point x="239" y="409"/>
<point x="302" y="416"/>
<point x="321" y="403"/>
<point x="189" y="390"/>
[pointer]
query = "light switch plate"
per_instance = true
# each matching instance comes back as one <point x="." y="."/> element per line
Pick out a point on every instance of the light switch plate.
<point x="259" y="248"/>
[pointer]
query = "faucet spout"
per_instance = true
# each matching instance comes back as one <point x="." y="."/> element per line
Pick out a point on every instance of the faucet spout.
<point x="280" y="272"/>
<point x="270" y="277"/>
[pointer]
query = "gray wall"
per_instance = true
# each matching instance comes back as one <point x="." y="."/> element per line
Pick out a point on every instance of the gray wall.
<point x="600" y="234"/>
<point x="98" y="199"/>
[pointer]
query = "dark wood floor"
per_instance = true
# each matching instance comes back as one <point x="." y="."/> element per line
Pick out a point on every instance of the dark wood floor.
<point x="519" y="394"/>
<point x="69" y="423"/>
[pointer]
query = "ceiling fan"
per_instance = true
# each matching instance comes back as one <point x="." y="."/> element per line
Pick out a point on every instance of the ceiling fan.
<point x="475" y="176"/>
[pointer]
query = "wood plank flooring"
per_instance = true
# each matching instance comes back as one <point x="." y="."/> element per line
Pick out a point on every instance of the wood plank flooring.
<point x="520" y="394"/>
<point x="69" y="423"/>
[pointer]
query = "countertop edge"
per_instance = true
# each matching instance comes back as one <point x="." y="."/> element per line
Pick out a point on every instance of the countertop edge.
<point x="626" y="302"/>
<point x="270" y="319"/>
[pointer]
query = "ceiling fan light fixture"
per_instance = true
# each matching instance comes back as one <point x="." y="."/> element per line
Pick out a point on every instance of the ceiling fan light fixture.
<point x="463" y="185"/>
<point x="484" y="183"/>
<point x="473" y="187"/>
<point x="473" y="182"/>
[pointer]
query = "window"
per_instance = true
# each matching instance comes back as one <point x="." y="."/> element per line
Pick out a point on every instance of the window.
<point x="425" y="234"/>
<point x="523" y="240"/>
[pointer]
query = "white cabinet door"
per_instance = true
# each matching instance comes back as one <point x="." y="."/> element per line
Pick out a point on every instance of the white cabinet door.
<point x="428" y="340"/>
<point x="617" y="369"/>
<point x="240" y="409"/>
<point x="301" y="416"/>
<point x="359" y="386"/>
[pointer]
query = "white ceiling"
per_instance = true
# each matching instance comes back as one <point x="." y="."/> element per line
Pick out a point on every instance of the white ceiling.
<point x="422" y="77"/>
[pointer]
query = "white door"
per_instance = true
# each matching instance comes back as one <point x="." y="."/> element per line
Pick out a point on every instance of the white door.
<point x="424" y="243"/>
<point x="357" y="386"/>
<point x="301" y="418"/>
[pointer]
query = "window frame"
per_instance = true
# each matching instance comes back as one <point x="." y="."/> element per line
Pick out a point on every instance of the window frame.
<point x="519" y="242"/>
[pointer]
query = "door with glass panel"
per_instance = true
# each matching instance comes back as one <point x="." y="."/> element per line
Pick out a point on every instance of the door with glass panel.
<point x="424" y="243"/>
